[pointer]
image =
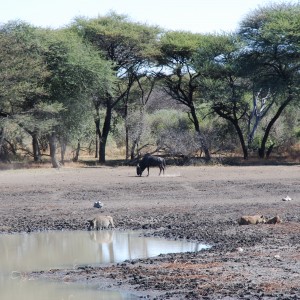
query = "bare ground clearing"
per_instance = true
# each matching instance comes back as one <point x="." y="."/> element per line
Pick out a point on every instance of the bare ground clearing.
<point x="197" y="203"/>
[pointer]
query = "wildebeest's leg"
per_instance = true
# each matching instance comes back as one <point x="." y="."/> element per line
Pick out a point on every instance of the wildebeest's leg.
<point x="160" y="168"/>
<point x="148" y="170"/>
<point x="164" y="166"/>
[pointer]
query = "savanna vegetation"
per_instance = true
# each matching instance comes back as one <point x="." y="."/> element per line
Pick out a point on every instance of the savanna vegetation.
<point x="111" y="83"/>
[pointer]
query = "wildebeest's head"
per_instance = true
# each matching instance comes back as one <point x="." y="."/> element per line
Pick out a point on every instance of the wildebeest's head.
<point x="138" y="170"/>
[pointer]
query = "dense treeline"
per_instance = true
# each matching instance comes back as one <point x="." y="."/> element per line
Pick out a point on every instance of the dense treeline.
<point x="138" y="86"/>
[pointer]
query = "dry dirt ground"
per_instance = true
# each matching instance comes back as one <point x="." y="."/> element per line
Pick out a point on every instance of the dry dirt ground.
<point x="196" y="203"/>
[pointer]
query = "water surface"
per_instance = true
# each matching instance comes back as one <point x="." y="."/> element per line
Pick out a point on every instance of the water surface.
<point x="69" y="249"/>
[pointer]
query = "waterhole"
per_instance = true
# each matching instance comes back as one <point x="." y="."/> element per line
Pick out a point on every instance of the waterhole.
<point x="21" y="253"/>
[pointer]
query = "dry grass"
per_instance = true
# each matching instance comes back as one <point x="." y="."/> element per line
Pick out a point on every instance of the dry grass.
<point x="190" y="266"/>
<point x="286" y="228"/>
<point x="280" y="286"/>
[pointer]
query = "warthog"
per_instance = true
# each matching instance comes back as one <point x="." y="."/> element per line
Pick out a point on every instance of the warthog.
<point x="150" y="161"/>
<point x="248" y="220"/>
<point x="275" y="220"/>
<point x="101" y="222"/>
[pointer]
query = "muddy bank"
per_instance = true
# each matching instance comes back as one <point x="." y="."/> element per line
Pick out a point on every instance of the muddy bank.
<point x="195" y="203"/>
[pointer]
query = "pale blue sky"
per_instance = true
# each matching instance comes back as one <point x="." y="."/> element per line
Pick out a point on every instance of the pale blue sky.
<point x="202" y="16"/>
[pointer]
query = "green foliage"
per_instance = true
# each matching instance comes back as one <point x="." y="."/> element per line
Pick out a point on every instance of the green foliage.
<point x="297" y="133"/>
<point x="166" y="119"/>
<point x="22" y="69"/>
<point x="179" y="45"/>
<point x="271" y="57"/>
<point x="172" y="130"/>
<point x="48" y="79"/>
<point x="120" y="40"/>
<point x="75" y="66"/>
<point x="272" y="46"/>
<point x="130" y="47"/>
<point x="221" y="136"/>
<point x="54" y="81"/>
<point x="77" y="73"/>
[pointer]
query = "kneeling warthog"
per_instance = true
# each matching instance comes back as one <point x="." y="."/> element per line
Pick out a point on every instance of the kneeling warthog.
<point x="101" y="222"/>
<point x="248" y="220"/>
<point x="275" y="220"/>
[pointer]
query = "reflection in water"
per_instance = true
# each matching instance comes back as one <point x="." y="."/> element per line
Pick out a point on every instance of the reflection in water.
<point x="68" y="249"/>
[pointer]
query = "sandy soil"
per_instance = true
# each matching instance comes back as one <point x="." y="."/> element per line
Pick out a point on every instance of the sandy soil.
<point x="197" y="203"/>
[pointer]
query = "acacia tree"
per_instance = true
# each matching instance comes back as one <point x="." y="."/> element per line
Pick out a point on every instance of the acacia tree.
<point x="179" y="78"/>
<point x="139" y="95"/>
<point x="271" y="55"/>
<point x="129" y="46"/>
<point x="48" y="77"/>
<point x="77" y="72"/>
<point x="22" y="72"/>
<point x="222" y="83"/>
<point x="254" y="74"/>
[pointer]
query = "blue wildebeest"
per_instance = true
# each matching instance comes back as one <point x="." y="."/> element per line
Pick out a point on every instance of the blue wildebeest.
<point x="150" y="161"/>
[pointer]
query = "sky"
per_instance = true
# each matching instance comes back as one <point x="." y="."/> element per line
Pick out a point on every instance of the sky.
<point x="198" y="16"/>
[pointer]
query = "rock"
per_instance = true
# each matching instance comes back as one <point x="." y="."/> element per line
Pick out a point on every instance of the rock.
<point x="287" y="198"/>
<point x="277" y="257"/>
<point x="98" y="204"/>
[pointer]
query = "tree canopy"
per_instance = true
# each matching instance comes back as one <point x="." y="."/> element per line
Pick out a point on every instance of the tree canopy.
<point x="130" y="47"/>
<point x="87" y="80"/>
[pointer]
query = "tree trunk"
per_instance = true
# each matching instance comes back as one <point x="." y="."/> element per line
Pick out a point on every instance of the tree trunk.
<point x="126" y="128"/>
<point x="1" y="137"/>
<point x="52" y="144"/>
<point x="127" y="143"/>
<point x="242" y="140"/>
<point x="262" y="149"/>
<point x="138" y="132"/>
<point x="98" y="131"/>
<point x="201" y="136"/>
<point x="4" y="157"/>
<point x="134" y="145"/>
<point x="269" y="151"/>
<point x="105" y="132"/>
<point x="235" y="123"/>
<point x="63" y="148"/>
<point x="75" y="159"/>
<point x="37" y="157"/>
<point x="96" y="146"/>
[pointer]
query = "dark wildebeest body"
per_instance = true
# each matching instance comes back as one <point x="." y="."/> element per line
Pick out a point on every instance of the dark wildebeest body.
<point x="151" y="161"/>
